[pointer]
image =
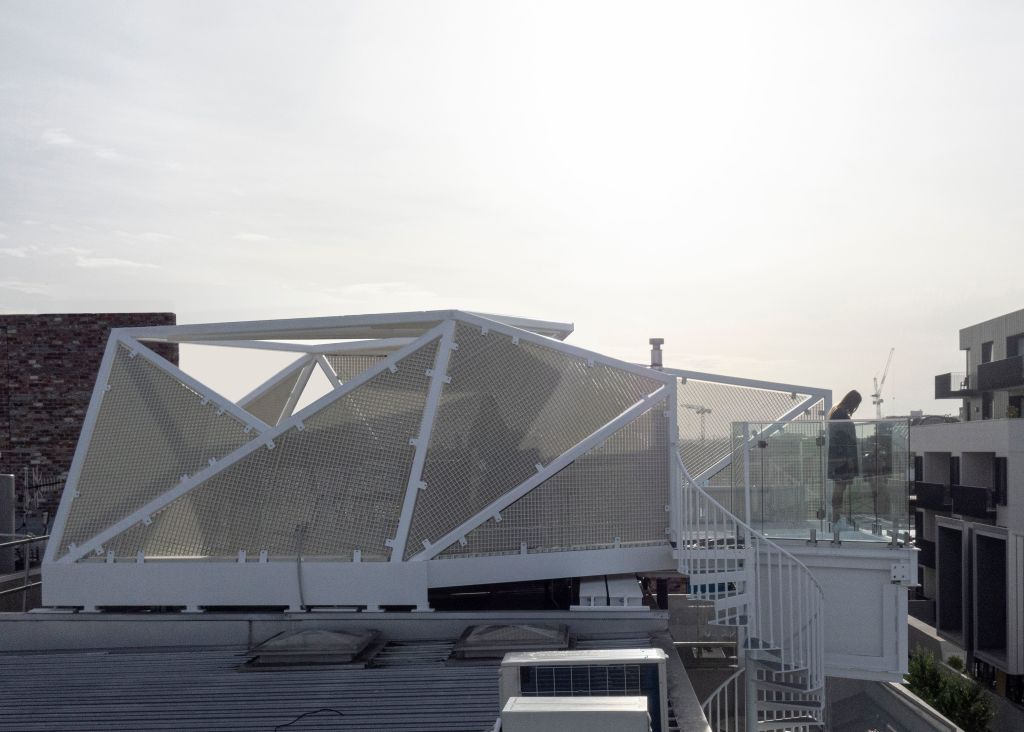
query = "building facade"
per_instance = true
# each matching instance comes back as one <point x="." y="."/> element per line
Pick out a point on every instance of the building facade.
<point x="48" y="366"/>
<point x="969" y="483"/>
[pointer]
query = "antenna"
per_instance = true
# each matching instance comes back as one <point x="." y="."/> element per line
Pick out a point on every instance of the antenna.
<point x="876" y="397"/>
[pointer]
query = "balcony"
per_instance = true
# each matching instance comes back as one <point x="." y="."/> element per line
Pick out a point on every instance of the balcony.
<point x="933" y="496"/>
<point x="1006" y="373"/>
<point x="927" y="556"/>
<point x="974" y="501"/>
<point x="953" y="386"/>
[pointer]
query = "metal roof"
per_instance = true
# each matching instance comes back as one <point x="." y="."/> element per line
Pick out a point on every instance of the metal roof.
<point x="174" y="689"/>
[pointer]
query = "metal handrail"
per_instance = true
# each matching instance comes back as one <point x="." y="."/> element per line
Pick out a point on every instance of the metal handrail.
<point x="25" y="540"/>
<point x="746" y="527"/>
<point x="802" y="641"/>
<point x="716" y="707"/>
<point x="28" y="568"/>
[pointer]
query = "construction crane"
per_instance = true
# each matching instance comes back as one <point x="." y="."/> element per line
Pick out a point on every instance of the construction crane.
<point x="703" y="412"/>
<point x="876" y="398"/>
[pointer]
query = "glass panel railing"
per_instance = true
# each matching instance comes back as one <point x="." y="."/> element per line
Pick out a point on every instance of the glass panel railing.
<point x="850" y="476"/>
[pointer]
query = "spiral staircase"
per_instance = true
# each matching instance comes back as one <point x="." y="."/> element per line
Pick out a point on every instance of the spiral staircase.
<point x="776" y="607"/>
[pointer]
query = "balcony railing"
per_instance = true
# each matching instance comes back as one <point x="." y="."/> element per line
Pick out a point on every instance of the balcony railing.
<point x="953" y="385"/>
<point x="1006" y="373"/>
<point x="789" y="479"/>
<point x="934" y="496"/>
<point x="973" y="501"/>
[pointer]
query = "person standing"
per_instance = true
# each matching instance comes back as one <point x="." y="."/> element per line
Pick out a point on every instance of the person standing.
<point x="842" y="453"/>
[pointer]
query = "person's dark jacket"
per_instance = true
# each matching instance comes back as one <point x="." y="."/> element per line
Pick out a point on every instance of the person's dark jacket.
<point x="842" y="446"/>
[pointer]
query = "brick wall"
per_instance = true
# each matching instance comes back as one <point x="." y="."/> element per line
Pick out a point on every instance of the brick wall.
<point x="48" y="366"/>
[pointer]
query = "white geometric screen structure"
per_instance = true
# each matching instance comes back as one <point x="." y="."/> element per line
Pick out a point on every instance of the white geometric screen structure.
<point x="446" y="436"/>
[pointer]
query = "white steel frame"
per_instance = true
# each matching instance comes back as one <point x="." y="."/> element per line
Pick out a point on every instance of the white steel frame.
<point x="265" y="440"/>
<point x="80" y="579"/>
<point x="413" y="332"/>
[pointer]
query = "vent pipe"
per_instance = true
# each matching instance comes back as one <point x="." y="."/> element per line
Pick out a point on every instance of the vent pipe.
<point x="656" y="352"/>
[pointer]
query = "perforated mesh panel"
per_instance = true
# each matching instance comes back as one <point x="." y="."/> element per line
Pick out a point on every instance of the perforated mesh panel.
<point x="269" y="405"/>
<point x="348" y="365"/>
<point x="151" y="430"/>
<point x="333" y="487"/>
<point x="707" y="411"/>
<point x="509" y="407"/>
<point x="617" y="491"/>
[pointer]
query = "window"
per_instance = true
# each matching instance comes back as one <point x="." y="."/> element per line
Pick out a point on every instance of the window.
<point x="986" y="351"/>
<point x="986" y="405"/>
<point x="999" y="479"/>
<point x="1015" y="345"/>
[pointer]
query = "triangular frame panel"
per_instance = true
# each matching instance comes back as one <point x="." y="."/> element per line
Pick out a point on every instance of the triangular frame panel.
<point x="614" y="495"/>
<point x="152" y="425"/>
<point x="512" y="407"/>
<point x="331" y="488"/>
<point x="188" y="483"/>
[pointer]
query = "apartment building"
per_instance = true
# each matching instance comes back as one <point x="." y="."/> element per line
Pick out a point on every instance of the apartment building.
<point x="969" y="483"/>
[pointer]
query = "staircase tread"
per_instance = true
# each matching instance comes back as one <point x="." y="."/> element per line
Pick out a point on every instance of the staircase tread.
<point x="777" y="666"/>
<point x="781" y="724"/>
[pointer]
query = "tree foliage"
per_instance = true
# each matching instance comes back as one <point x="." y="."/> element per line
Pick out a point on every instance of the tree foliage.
<point x="963" y="701"/>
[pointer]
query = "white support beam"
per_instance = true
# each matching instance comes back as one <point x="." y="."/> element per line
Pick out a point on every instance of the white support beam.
<point x="437" y="382"/>
<point x="588" y="443"/>
<point x="675" y="488"/>
<point x="329" y="372"/>
<point x="750" y="383"/>
<point x="274" y="380"/>
<point x="580" y="353"/>
<point x="300" y="386"/>
<point x="264" y="440"/>
<point x="81" y="449"/>
<point x="375" y="346"/>
<point x="379" y="325"/>
<point x="198" y="387"/>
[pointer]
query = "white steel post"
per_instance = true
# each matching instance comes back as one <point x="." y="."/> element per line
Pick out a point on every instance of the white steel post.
<point x="746" y="473"/>
<point x="675" y="497"/>
<point x="422" y="440"/>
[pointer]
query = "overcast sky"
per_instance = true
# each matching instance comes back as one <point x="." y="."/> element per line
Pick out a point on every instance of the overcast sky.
<point x="782" y="191"/>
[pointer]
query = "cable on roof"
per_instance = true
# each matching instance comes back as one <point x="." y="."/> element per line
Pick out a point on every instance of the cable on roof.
<point x="307" y="714"/>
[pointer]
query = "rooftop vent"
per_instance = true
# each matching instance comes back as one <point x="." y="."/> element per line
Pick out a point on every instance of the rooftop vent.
<point x="308" y="647"/>
<point x="494" y="641"/>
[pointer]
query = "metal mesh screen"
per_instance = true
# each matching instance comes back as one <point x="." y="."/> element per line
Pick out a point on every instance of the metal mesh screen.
<point x="151" y="430"/>
<point x="509" y="408"/>
<point x="614" y="495"/>
<point x="269" y="405"/>
<point x="706" y="411"/>
<point x="333" y="487"/>
<point x="348" y="365"/>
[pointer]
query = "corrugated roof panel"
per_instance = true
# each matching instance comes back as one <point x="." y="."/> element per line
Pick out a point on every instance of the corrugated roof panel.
<point x="203" y="689"/>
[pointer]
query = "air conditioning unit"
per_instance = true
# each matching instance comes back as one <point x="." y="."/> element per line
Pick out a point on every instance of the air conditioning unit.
<point x="576" y="714"/>
<point x="597" y="673"/>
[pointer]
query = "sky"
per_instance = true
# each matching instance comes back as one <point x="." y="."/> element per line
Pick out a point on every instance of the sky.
<point x="782" y="191"/>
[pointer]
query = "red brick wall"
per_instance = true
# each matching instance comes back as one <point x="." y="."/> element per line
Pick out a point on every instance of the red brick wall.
<point x="48" y="366"/>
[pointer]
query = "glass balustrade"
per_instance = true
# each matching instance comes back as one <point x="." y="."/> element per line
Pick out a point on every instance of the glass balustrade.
<point x="849" y="477"/>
